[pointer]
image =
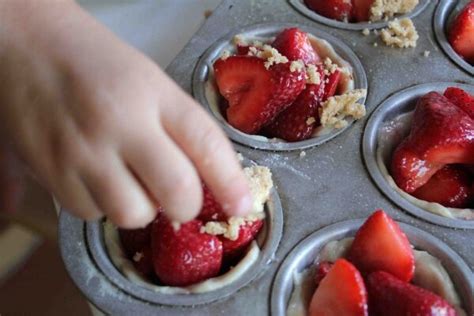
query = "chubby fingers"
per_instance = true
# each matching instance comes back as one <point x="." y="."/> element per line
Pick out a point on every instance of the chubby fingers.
<point x="211" y="152"/>
<point x="117" y="193"/>
<point x="167" y="173"/>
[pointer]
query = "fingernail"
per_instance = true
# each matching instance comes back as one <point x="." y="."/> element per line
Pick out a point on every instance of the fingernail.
<point x="244" y="205"/>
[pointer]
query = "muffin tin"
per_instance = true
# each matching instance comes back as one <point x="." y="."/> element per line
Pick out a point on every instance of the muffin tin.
<point x="318" y="186"/>
<point x="303" y="9"/>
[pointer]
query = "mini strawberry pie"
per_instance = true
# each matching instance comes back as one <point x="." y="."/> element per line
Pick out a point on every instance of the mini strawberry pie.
<point x="377" y="272"/>
<point x="202" y="255"/>
<point x="290" y="87"/>
<point x="461" y="33"/>
<point x="434" y="163"/>
<point x="361" y="10"/>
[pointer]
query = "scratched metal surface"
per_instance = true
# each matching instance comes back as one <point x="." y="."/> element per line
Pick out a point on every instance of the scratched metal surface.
<point x="328" y="185"/>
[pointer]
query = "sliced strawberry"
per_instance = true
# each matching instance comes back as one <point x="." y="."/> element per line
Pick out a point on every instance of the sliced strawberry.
<point x="242" y="49"/>
<point x="362" y="10"/>
<point x="211" y="210"/>
<point x="461" y="99"/>
<point x="380" y="244"/>
<point x="333" y="9"/>
<point x="135" y="240"/>
<point x="298" y="121"/>
<point x="255" y="94"/>
<point x="295" y="45"/>
<point x="287" y="86"/>
<point x="322" y="271"/>
<point x="234" y="249"/>
<point x="461" y="35"/>
<point x="331" y="84"/>
<point x="341" y="292"/>
<point x="450" y="186"/>
<point x="441" y="133"/>
<point x="389" y="296"/>
<point x="143" y="262"/>
<point x="410" y="171"/>
<point x="185" y="256"/>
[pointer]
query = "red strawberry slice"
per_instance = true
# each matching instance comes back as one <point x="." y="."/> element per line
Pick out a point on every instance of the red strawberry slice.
<point x="362" y="9"/>
<point x="461" y="35"/>
<point x="295" y="45"/>
<point x="211" y="210"/>
<point x="380" y="244"/>
<point x="287" y="86"/>
<point x="461" y="99"/>
<point x="298" y="121"/>
<point x="331" y="84"/>
<point x="333" y="9"/>
<point x="135" y="240"/>
<point x="143" y="262"/>
<point x="242" y="49"/>
<point x="185" y="256"/>
<point x="408" y="170"/>
<point x="450" y="186"/>
<point x="234" y="249"/>
<point x="322" y="271"/>
<point x="255" y="94"/>
<point x="441" y="133"/>
<point x="341" y="292"/>
<point x="390" y="296"/>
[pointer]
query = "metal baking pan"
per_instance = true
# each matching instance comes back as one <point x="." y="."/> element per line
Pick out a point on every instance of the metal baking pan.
<point x="317" y="187"/>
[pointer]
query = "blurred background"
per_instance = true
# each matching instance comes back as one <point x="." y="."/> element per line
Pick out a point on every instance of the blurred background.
<point x="33" y="280"/>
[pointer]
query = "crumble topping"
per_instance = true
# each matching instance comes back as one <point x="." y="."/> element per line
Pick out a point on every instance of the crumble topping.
<point x="310" y="120"/>
<point x="297" y="65"/>
<point x="384" y="9"/>
<point x="260" y="184"/>
<point x="225" y="54"/>
<point x="335" y="109"/>
<point x="303" y="154"/>
<point x="313" y="75"/>
<point x="329" y="66"/>
<point x="270" y="54"/>
<point x="138" y="256"/>
<point x="239" y="40"/>
<point x="366" y="32"/>
<point x="400" y="33"/>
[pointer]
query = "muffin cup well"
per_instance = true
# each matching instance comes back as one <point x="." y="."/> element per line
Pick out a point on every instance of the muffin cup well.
<point x="398" y="104"/>
<point x="203" y="74"/>
<point x="306" y="253"/>
<point x="92" y="240"/>
<point x="303" y="9"/>
<point x="444" y="15"/>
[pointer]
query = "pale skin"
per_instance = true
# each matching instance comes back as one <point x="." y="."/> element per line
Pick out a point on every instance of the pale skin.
<point x="101" y="126"/>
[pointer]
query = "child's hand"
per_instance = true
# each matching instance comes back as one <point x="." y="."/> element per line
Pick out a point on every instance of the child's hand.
<point x="101" y="126"/>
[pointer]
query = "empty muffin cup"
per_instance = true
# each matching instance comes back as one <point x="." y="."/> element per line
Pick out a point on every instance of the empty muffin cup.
<point x="88" y="260"/>
<point x="296" y="268"/>
<point x="385" y="129"/>
<point x="302" y="8"/>
<point x="445" y="13"/>
<point x="205" y="90"/>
